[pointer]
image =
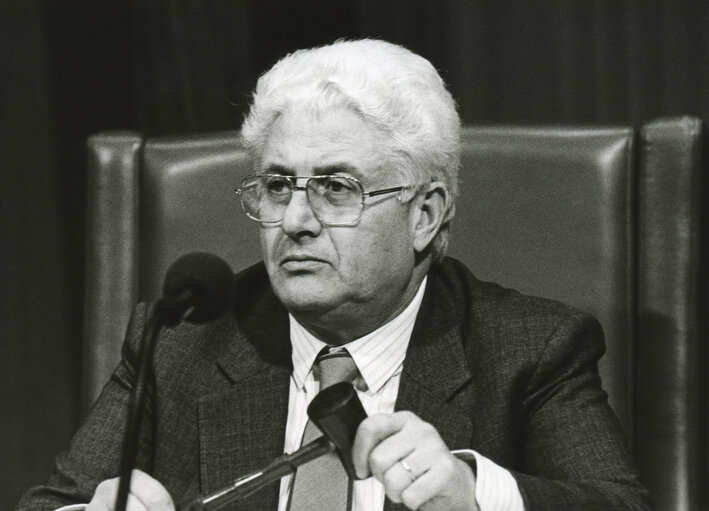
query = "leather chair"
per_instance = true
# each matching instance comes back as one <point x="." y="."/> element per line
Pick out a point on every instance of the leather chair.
<point x="672" y="261"/>
<point x="605" y="218"/>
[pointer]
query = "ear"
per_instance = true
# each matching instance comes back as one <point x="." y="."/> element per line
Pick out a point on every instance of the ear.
<point x="428" y="213"/>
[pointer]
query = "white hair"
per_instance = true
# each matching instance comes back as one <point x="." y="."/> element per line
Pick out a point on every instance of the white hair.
<point x="390" y="87"/>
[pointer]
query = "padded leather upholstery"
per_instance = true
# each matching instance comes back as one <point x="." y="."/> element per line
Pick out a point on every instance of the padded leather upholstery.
<point x="548" y="211"/>
<point x="671" y="371"/>
<point x="112" y="253"/>
<point x="188" y="203"/>
<point x="607" y="219"/>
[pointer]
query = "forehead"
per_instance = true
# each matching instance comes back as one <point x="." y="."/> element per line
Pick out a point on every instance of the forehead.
<point x="303" y="142"/>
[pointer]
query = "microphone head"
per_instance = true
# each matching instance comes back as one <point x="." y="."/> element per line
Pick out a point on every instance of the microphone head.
<point x="338" y="412"/>
<point x="201" y="285"/>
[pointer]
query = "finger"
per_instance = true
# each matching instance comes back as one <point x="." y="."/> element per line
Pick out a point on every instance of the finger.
<point x="388" y="452"/>
<point x="423" y="490"/>
<point x="146" y="494"/>
<point x="96" y="505"/>
<point x="399" y="477"/>
<point x="416" y="435"/>
<point x="151" y="493"/>
<point x="134" y="504"/>
<point x="441" y="484"/>
<point x="104" y="498"/>
<point x="371" y="432"/>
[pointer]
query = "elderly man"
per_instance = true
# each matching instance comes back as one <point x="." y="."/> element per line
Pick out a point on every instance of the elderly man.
<point x="478" y="397"/>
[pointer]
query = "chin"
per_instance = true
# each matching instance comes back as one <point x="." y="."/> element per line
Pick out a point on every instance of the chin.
<point x="306" y="304"/>
<point x="303" y="295"/>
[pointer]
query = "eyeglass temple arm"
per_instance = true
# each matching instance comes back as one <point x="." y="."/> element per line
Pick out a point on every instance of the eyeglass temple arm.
<point x="385" y="190"/>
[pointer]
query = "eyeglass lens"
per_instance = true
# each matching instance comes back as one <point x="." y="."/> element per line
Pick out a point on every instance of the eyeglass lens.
<point x="334" y="199"/>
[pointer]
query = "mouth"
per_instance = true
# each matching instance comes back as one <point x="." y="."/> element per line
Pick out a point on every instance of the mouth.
<point x="301" y="262"/>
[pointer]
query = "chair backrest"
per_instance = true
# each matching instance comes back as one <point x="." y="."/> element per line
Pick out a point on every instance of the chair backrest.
<point x="564" y="212"/>
<point x="549" y="211"/>
<point x="671" y="401"/>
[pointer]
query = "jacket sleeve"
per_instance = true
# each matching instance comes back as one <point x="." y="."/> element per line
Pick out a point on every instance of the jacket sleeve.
<point x="95" y="450"/>
<point x="575" y="455"/>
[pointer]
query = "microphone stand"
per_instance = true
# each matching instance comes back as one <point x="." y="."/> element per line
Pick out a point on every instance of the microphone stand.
<point x="166" y="314"/>
<point x="197" y="288"/>
<point x="337" y="412"/>
<point x="250" y="483"/>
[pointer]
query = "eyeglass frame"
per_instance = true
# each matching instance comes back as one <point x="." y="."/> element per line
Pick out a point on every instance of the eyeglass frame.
<point x="293" y="179"/>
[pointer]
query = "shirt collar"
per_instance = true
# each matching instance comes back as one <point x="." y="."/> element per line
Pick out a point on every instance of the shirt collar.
<point x="378" y="355"/>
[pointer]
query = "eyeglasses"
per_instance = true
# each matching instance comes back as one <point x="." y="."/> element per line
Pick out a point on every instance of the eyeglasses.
<point x="335" y="200"/>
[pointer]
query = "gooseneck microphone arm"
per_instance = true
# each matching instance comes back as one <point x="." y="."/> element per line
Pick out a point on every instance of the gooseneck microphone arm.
<point x="136" y="408"/>
<point x="250" y="483"/>
<point x="337" y="411"/>
<point x="198" y="288"/>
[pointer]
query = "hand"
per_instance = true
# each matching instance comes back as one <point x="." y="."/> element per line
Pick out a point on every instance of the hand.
<point x="146" y="494"/>
<point x="387" y="444"/>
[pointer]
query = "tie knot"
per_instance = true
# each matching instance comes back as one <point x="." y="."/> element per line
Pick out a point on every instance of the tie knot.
<point x="335" y="365"/>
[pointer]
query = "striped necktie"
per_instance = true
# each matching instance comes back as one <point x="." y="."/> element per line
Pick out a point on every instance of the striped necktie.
<point x="322" y="484"/>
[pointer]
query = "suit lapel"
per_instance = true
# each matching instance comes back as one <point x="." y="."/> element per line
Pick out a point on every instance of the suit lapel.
<point x="430" y="379"/>
<point x="243" y="428"/>
<point x="241" y="431"/>
<point x="436" y="372"/>
<point x="436" y="383"/>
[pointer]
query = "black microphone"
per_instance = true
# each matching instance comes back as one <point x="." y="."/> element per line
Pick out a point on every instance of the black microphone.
<point x="198" y="288"/>
<point x="337" y="411"/>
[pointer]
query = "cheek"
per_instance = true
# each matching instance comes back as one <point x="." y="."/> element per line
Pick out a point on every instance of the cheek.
<point x="268" y="241"/>
<point x="377" y="252"/>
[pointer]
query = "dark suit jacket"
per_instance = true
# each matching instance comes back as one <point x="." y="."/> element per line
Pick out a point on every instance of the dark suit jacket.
<point x="511" y="376"/>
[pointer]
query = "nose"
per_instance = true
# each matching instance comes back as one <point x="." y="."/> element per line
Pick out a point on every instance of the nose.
<point x="299" y="219"/>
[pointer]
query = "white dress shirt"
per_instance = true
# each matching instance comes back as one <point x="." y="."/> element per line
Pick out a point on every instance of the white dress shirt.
<point x="379" y="357"/>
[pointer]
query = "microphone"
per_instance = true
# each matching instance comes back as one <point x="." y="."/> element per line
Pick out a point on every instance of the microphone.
<point x="337" y="411"/>
<point x="198" y="288"/>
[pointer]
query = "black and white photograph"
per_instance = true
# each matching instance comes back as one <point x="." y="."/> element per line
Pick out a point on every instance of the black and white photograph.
<point x="354" y="255"/>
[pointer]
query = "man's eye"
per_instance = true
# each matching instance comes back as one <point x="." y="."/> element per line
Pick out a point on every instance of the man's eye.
<point x="338" y="186"/>
<point x="278" y="185"/>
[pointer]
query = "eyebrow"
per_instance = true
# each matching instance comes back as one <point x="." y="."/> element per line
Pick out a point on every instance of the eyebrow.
<point x="277" y="169"/>
<point x="338" y="168"/>
<point x="325" y="170"/>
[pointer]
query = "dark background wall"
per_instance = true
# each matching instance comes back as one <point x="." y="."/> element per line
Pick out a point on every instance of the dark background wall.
<point x="69" y="68"/>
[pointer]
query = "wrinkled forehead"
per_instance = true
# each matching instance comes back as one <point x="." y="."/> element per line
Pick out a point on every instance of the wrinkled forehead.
<point x="312" y="141"/>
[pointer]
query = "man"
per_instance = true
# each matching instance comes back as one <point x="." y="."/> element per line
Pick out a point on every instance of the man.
<point x="478" y="397"/>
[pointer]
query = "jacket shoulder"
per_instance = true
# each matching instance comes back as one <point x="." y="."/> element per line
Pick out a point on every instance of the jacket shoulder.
<point x="504" y="314"/>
